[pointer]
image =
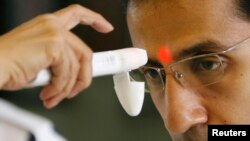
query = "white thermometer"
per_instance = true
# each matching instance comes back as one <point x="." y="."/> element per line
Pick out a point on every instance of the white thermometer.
<point x="118" y="63"/>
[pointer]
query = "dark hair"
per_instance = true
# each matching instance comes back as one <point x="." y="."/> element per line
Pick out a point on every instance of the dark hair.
<point x="244" y="7"/>
<point x="125" y="3"/>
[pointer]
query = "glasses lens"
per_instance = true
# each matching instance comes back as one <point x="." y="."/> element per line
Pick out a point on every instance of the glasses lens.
<point x="137" y="75"/>
<point x="203" y="70"/>
<point x="151" y="76"/>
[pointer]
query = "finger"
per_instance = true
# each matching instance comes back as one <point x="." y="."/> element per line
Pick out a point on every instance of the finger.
<point x="73" y="73"/>
<point x="83" y="79"/>
<point x="84" y="54"/>
<point x="53" y="101"/>
<point x="59" y="69"/>
<point x="75" y="14"/>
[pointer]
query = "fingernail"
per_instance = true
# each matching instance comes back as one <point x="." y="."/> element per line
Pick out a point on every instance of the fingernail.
<point x="109" y="26"/>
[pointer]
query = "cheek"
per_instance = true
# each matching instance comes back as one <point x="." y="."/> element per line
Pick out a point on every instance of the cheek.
<point x="159" y="102"/>
<point x="229" y="101"/>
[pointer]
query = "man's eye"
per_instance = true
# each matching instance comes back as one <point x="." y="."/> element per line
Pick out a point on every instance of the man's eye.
<point x="151" y="73"/>
<point x="207" y="64"/>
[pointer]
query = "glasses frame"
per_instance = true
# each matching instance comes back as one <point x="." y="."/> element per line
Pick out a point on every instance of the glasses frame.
<point x="178" y="75"/>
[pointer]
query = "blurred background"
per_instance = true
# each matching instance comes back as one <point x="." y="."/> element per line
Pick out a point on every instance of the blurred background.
<point x="95" y="114"/>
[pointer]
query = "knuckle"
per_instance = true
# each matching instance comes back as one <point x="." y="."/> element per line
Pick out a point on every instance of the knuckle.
<point x="52" y="30"/>
<point x="99" y="16"/>
<point x="47" y="19"/>
<point x="55" y="47"/>
<point x="56" y="39"/>
<point x="87" y="55"/>
<point x="50" y="23"/>
<point x="75" y="6"/>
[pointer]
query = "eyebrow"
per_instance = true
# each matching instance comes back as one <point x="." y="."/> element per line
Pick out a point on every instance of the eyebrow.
<point x="205" y="46"/>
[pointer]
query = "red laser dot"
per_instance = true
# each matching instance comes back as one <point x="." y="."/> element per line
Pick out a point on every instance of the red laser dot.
<point x="164" y="55"/>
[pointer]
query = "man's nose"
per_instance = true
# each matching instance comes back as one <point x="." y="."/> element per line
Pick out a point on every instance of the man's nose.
<point x="184" y="108"/>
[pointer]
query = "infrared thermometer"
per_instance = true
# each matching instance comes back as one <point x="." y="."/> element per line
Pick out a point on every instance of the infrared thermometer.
<point x="117" y="63"/>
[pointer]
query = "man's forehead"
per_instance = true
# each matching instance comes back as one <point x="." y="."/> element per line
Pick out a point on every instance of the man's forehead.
<point x="181" y="18"/>
<point x="181" y="7"/>
<point x="181" y="23"/>
<point x="168" y="21"/>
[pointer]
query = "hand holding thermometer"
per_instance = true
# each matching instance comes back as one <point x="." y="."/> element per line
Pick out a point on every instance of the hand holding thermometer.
<point x="117" y="63"/>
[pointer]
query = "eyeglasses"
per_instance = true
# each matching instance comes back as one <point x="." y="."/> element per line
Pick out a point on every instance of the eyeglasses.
<point x="200" y="70"/>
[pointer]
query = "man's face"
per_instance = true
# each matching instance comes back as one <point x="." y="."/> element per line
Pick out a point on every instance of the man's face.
<point x="182" y="25"/>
